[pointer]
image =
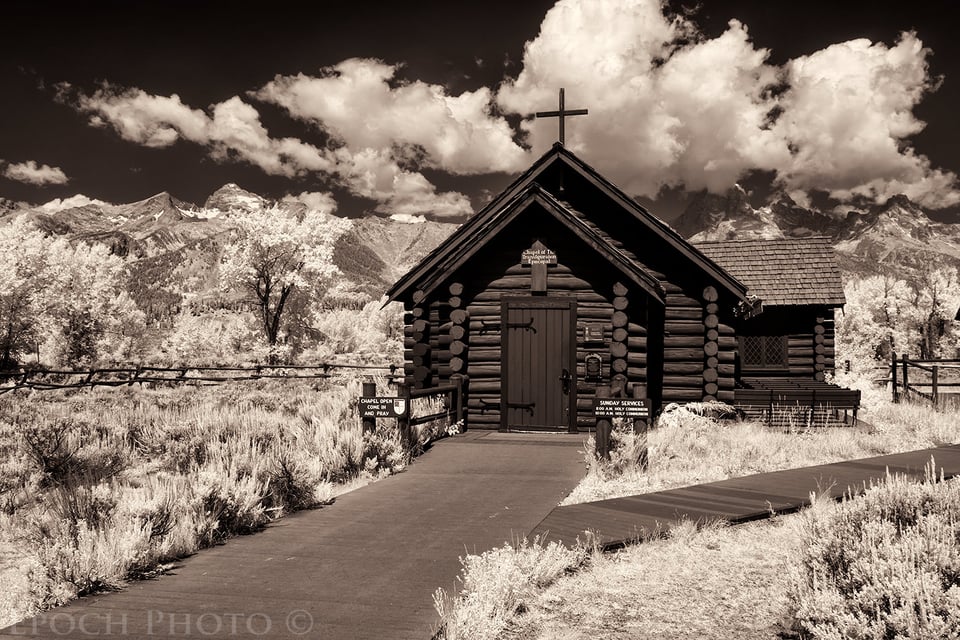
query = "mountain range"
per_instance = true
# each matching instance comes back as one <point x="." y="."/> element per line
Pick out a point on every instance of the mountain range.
<point x="174" y="246"/>
<point x="896" y="237"/>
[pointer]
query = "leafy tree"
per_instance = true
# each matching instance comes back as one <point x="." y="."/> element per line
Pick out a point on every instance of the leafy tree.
<point x="282" y="262"/>
<point x="70" y="298"/>
<point x="937" y="299"/>
<point x="91" y="316"/>
<point x="24" y="278"/>
<point x="886" y="315"/>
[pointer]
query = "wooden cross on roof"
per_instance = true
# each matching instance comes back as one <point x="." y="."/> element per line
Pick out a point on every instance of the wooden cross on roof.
<point x="561" y="113"/>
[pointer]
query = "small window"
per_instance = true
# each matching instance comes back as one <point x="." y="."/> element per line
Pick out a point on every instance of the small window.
<point x="763" y="352"/>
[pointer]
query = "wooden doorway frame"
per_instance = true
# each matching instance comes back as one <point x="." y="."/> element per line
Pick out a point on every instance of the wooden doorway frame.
<point x="554" y="302"/>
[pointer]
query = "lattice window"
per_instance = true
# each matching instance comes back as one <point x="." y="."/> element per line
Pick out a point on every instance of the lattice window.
<point x="763" y="352"/>
<point x="751" y="351"/>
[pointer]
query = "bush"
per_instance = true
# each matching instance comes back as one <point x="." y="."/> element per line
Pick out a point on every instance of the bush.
<point x="498" y="583"/>
<point x="107" y="485"/>
<point x="886" y="565"/>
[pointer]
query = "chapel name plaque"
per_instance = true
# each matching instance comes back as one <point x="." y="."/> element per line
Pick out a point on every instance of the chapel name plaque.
<point x="538" y="256"/>
<point x="620" y="408"/>
<point x="382" y="407"/>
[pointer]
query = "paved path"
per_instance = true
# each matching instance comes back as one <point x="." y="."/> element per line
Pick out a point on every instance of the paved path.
<point x="621" y="520"/>
<point x="365" y="567"/>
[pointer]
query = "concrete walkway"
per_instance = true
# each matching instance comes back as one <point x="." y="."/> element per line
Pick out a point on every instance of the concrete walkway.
<point x="365" y="567"/>
<point x="621" y="520"/>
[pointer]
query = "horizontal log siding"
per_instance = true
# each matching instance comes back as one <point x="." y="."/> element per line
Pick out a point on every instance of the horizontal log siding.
<point x="683" y="345"/>
<point x="481" y="300"/>
<point x="726" y="362"/>
<point x="809" y="332"/>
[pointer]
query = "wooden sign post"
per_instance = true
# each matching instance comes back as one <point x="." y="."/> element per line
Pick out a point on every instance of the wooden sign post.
<point x="604" y="425"/>
<point x="371" y="407"/>
<point x="538" y="257"/>
<point x="610" y="403"/>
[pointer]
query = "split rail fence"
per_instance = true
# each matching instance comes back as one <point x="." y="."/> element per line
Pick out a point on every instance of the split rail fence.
<point x="49" y="379"/>
<point x="935" y="381"/>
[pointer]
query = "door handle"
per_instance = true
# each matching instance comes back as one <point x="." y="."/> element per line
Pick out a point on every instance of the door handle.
<point x="565" y="381"/>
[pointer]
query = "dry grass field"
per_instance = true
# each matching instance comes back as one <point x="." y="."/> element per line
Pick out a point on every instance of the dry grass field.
<point x="768" y="579"/>
<point x="101" y="486"/>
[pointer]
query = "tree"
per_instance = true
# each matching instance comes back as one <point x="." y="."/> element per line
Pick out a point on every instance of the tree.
<point x="937" y="297"/>
<point x="90" y="313"/>
<point x="886" y="315"/>
<point x="69" y="296"/>
<point x="24" y="278"/>
<point x="281" y="261"/>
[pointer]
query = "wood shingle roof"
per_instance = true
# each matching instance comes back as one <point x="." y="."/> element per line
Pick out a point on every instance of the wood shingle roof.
<point x="786" y="271"/>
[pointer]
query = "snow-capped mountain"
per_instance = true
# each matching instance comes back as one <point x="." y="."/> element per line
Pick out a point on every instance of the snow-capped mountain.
<point x="894" y="236"/>
<point x="175" y="246"/>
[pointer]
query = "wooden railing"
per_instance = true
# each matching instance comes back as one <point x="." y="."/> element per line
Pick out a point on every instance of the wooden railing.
<point x="49" y="379"/>
<point x="927" y="380"/>
<point x="452" y="393"/>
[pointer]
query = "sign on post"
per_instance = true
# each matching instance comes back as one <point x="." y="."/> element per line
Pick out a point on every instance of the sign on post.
<point x="390" y="407"/>
<point x="620" y="408"/>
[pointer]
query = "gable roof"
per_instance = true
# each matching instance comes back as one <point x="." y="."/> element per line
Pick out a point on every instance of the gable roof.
<point x="534" y="194"/>
<point x="442" y="257"/>
<point x="786" y="271"/>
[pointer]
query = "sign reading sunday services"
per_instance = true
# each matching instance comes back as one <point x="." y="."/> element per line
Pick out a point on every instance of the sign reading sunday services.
<point x="620" y="408"/>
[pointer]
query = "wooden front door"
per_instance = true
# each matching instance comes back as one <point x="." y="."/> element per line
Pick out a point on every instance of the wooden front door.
<point x="539" y="364"/>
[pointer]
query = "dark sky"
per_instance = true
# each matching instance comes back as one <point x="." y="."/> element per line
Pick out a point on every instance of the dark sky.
<point x="207" y="52"/>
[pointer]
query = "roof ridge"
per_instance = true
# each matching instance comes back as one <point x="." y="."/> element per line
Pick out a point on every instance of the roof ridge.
<point x="745" y="240"/>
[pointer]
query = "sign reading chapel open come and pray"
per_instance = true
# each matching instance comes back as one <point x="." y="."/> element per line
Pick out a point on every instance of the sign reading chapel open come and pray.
<point x="620" y="408"/>
<point x="383" y="407"/>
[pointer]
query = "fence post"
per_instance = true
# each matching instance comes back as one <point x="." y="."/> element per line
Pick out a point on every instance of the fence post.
<point x="369" y="390"/>
<point x="403" y="422"/>
<point x="770" y="410"/>
<point x="813" y="408"/>
<point x="457" y="379"/>
<point x="603" y="428"/>
<point x="934" y="393"/>
<point x="906" y="378"/>
<point x="893" y="377"/>
<point x="641" y="426"/>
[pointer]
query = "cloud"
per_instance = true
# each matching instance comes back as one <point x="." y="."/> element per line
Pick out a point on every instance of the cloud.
<point x="376" y="175"/>
<point x="670" y="107"/>
<point x="32" y="173"/>
<point x="315" y="200"/>
<point x="153" y="121"/>
<point x="847" y="114"/>
<point x="79" y="200"/>
<point x="407" y="218"/>
<point x="363" y="106"/>
<point x="232" y="130"/>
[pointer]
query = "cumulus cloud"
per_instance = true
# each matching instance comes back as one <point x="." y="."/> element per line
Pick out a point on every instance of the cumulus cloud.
<point x="360" y="103"/>
<point x="32" y="173"/>
<point x="670" y="107"/>
<point x="153" y="121"/>
<point x="316" y="200"/>
<point x="79" y="200"/>
<point x="232" y="130"/>
<point x="847" y="114"/>
<point x="406" y="218"/>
